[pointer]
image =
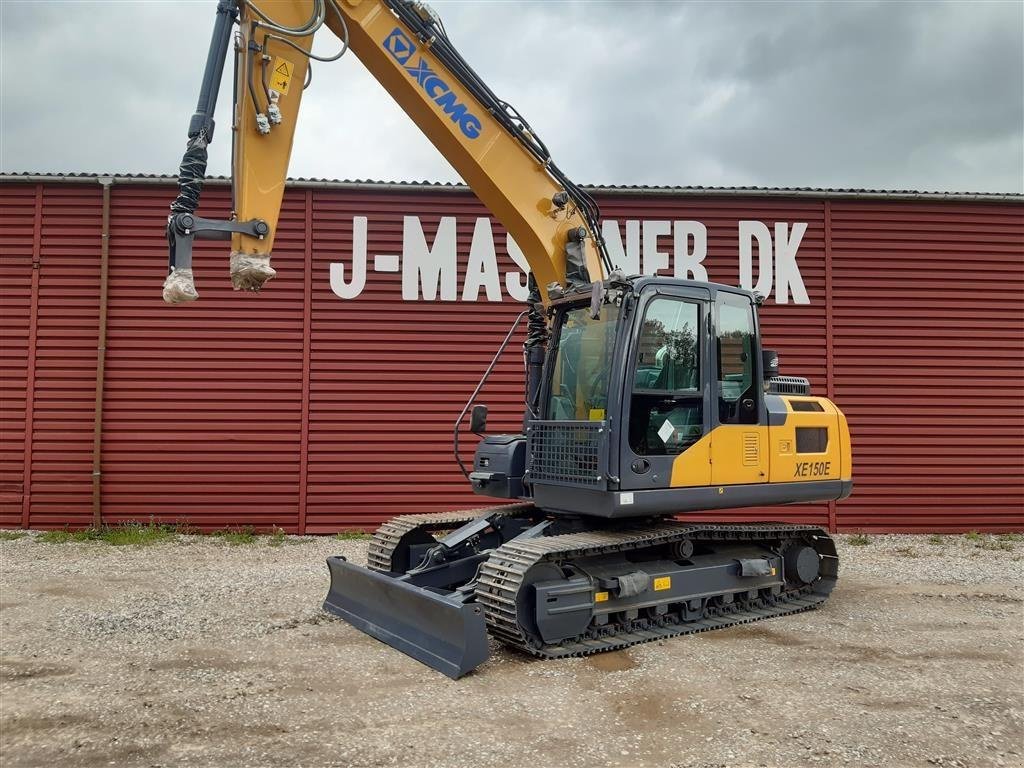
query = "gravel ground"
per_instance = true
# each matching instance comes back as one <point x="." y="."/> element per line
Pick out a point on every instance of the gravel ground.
<point x="202" y="653"/>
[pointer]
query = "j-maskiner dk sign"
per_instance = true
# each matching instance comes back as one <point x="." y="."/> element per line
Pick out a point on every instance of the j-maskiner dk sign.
<point x="767" y="259"/>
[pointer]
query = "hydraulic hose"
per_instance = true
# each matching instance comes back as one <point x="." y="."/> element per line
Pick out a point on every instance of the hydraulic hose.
<point x="312" y="25"/>
<point x="505" y="113"/>
<point x="192" y="171"/>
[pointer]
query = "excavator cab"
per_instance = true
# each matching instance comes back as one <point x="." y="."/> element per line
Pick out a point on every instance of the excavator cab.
<point x="641" y="393"/>
<point x="625" y="387"/>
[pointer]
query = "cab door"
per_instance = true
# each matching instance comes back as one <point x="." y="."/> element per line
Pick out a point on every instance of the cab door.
<point x="739" y="439"/>
<point x="665" y="405"/>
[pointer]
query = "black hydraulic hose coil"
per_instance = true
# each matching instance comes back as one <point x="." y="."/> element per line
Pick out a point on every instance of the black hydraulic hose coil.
<point x="191" y="175"/>
<point x="536" y="323"/>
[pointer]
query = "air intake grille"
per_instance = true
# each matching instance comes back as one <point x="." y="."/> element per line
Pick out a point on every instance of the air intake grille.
<point x="751" y="449"/>
<point x="789" y="385"/>
<point x="568" y="453"/>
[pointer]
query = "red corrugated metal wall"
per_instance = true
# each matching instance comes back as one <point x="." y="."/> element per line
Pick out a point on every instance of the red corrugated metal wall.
<point x="202" y="407"/>
<point x="928" y="334"/>
<point x="65" y="375"/>
<point x="300" y="409"/>
<point x="20" y="209"/>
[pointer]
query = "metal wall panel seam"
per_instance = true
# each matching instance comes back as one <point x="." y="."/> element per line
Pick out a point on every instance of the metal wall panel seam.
<point x="829" y="341"/>
<point x="307" y="332"/>
<point x="101" y="358"/>
<point x="30" y="383"/>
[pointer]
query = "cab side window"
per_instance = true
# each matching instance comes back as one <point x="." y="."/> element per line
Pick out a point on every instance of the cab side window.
<point x="666" y="414"/>
<point x="737" y="390"/>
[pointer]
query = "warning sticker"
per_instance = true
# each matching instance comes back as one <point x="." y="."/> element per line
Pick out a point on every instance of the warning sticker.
<point x="662" y="583"/>
<point x="666" y="431"/>
<point x="281" y="75"/>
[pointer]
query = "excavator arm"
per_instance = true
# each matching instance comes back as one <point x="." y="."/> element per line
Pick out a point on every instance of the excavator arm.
<point x="404" y="46"/>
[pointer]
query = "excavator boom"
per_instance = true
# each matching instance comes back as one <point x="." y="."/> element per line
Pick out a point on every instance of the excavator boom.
<point x="404" y="46"/>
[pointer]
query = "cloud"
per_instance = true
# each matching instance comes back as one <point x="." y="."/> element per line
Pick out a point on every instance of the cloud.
<point x="879" y="95"/>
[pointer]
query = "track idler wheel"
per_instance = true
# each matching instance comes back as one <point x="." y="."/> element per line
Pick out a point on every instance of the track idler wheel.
<point x="802" y="563"/>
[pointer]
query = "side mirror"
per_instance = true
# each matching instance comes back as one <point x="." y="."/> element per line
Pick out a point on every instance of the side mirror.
<point x="769" y="363"/>
<point x="478" y="420"/>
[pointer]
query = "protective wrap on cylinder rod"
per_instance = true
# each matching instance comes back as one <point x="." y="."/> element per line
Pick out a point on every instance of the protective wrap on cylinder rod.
<point x="534" y="349"/>
<point x="191" y="175"/>
<point x="536" y="324"/>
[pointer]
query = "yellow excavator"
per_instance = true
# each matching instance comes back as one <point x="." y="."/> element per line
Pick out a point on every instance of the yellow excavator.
<point x="645" y="397"/>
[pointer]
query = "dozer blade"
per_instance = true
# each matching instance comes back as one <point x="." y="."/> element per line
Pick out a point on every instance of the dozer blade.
<point x="443" y="633"/>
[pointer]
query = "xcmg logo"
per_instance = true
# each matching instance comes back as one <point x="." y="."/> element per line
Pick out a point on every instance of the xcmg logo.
<point x="402" y="50"/>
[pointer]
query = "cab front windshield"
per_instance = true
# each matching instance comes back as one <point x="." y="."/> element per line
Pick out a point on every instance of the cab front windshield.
<point x="579" y="382"/>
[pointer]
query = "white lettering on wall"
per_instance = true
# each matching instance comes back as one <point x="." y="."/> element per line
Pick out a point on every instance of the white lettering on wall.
<point x="688" y="260"/>
<point x="482" y="269"/>
<point x="654" y="260"/>
<point x="428" y="268"/>
<point x="353" y="287"/>
<point x="627" y="259"/>
<point x="430" y="271"/>
<point x="751" y="232"/>
<point x="787" y="273"/>
<point x="516" y="283"/>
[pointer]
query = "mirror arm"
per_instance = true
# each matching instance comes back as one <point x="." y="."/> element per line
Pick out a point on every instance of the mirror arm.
<point x="479" y="386"/>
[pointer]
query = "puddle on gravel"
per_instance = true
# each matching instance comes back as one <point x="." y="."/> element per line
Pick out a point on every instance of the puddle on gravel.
<point x="612" y="661"/>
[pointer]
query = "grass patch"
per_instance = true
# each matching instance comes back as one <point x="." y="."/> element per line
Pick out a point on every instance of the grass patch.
<point x="123" y="535"/>
<point x="276" y="537"/>
<point x="66" y="537"/>
<point x="12" y="535"/>
<point x="1005" y="546"/>
<point x="186" y="528"/>
<point x="858" y="540"/>
<point x="938" y="540"/>
<point x="1010" y="537"/>
<point x="351" y="535"/>
<point x="138" y="534"/>
<point x="973" y="536"/>
<point x="238" y="536"/>
<point x="906" y="552"/>
<point x="246" y="535"/>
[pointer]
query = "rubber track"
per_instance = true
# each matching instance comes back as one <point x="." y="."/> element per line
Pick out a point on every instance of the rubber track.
<point x="503" y="573"/>
<point x="387" y="538"/>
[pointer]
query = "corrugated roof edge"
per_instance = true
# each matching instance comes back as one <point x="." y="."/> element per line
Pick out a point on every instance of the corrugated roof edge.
<point x="637" y="190"/>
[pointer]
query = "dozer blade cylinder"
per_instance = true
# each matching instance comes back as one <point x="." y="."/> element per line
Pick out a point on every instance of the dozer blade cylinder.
<point x="442" y="632"/>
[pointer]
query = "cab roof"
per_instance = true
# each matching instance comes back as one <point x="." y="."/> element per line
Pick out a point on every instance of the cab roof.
<point x="639" y="282"/>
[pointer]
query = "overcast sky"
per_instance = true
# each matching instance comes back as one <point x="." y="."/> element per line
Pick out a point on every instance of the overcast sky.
<point x="897" y="95"/>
